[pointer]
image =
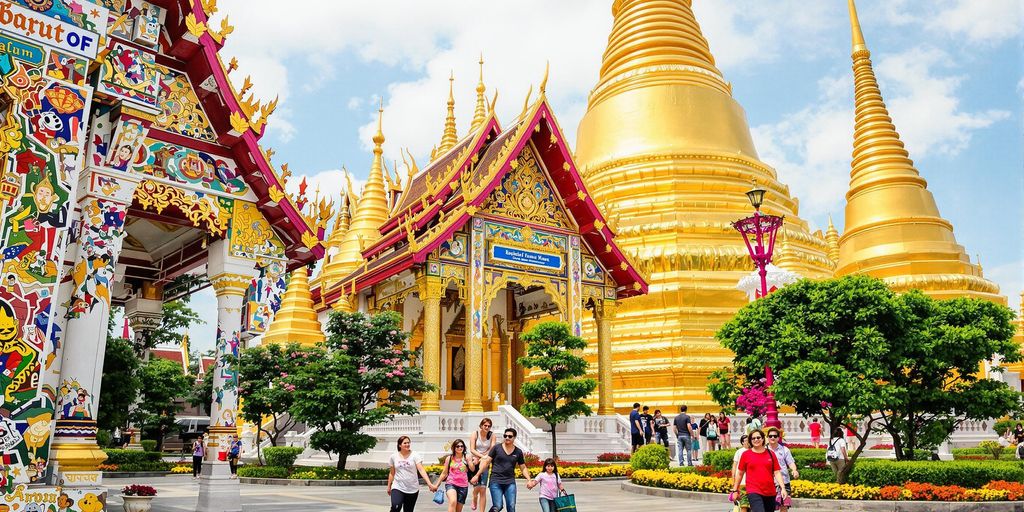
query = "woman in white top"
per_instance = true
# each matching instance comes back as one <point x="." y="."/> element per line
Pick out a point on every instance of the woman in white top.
<point x="480" y="443"/>
<point x="744" y="446"/>
<point x="404" y="478"/>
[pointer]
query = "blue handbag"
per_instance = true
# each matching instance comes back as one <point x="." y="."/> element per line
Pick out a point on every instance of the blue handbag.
<point x="439" y="497"/>
<point x="565" y="503"/>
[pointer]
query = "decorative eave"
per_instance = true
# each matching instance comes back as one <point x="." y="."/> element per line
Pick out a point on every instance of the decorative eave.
<point x="540" y="127"/>
<point x="196" y="45"/>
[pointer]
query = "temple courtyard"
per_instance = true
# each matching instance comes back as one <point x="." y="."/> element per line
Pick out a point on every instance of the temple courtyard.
<point x="178" y="493"/>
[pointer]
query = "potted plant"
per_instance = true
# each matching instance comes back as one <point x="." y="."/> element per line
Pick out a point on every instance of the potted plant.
<point x="138" y="498"/>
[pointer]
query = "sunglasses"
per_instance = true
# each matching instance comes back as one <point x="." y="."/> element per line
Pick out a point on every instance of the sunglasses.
<point x="509" y="437"/>
<point x="757" y="439"/>
<point x="773" y="437"/>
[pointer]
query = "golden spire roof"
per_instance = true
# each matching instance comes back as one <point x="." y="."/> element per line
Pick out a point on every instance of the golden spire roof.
<point x="332" y="263"/>
<point x="893" y="227"/>
<point x="480" y="114"/>
<point x="450" y="137"/>
<point x="832" y="239"/>
<point x="296" y="320"/>
<point x="370" y="213"/>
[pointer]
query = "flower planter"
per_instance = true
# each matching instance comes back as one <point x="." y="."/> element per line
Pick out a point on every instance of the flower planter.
<point x="138" y="503"/>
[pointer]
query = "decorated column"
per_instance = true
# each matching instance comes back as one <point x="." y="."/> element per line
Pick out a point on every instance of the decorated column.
<point x="100" y="234"/>
<point x="430" y="295"/>
<point x="575" y="293"/>
<point x="230" y="277"/>
<point x="604" y="312"/>
<point x="478" y="315"/>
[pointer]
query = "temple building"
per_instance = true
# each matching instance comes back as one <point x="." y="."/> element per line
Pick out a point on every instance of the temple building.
<point x="131" y="174"/>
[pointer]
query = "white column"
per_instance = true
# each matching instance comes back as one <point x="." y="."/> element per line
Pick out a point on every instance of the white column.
<point x="92" y="280"/>
<point x="230" y="277"/>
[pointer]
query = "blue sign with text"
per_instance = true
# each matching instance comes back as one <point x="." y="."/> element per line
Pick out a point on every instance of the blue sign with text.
<point x="526" y="257"/>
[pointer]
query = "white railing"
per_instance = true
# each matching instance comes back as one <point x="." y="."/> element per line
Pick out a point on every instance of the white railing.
<point x="530" y="438"/>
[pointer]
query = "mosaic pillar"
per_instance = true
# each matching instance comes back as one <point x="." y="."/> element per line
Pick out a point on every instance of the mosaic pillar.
<point x="604" y="312"/>
<point x="575" y="294"/>
<point x="100" y="234"/>
<point x="478" y="315"/>
<point x="230" y="278"/>
<point x="430" y="295"/>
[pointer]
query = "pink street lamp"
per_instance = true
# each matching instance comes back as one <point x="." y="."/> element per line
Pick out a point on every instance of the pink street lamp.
<point x="759" y="233"/>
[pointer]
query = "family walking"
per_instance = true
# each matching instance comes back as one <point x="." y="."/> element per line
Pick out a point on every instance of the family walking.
<point x="485" y="466"/>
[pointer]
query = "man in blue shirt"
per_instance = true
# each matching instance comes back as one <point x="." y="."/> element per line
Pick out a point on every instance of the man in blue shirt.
<point x="636" y="429"/>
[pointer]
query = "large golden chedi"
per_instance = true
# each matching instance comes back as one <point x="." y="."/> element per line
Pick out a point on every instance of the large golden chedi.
<point x="667" y="153"/>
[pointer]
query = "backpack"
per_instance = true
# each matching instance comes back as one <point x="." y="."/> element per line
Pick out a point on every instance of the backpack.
<point x="832" y="454"/>
<point x="712" y="431"/>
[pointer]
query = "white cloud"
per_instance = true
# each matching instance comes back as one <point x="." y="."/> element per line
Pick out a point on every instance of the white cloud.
<point x="354" y="103"/>
<point x="982" y="21"/>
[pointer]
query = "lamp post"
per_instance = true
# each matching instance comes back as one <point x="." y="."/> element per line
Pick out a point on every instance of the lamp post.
<point x="759" y="233"/>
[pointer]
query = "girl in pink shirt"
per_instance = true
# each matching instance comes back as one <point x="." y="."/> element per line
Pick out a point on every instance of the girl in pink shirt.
<point x="550" y="485"/>
<point x="456" y="476"/>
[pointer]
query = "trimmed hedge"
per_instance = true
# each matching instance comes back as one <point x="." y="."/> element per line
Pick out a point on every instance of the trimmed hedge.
<point x="327" y="473"/>
<point x="966" y="473"/>
<point x="149" y="445"/>
<point x="132" y="467"/>
<point x="651" y="456"/>
<point x="262" y="472"/>
<point x="122" y="457"/>
<point x="283" y="456"/>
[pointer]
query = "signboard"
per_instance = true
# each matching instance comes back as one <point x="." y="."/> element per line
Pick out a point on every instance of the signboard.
<point x="520" y="256"/>
<point x="21" y="50"/>
<point x="22" y="22"/>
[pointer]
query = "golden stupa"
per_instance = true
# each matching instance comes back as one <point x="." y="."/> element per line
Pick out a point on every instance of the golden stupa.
<point x="893" y="228"/>
<point x="667" y="154"/>
<point x="296" y="320"/>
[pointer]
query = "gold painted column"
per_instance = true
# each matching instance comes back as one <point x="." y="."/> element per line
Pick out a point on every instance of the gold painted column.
<point x="603" y="314"/>
<point x="430" y="295"/>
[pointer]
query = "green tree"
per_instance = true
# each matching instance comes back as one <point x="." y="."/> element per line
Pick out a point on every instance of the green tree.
<point x="178" y="317"/>
<point x="164" y="385"/>
<point x="361" y="378"/>
<point x="828" y="343"/>
<point x="558" y="396"/>
<point x="120" y="384"/>
<point x="261" y="372"/>
<point x="201" y="393"/>
<point x="935" y="382"/>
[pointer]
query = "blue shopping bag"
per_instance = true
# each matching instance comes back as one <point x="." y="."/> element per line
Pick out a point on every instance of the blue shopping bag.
<point x="439" y="497"/>
<point x="565" y="503"/>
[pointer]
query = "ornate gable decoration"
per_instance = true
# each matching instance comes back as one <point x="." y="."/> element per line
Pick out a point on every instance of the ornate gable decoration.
<point x="526" y="195"/>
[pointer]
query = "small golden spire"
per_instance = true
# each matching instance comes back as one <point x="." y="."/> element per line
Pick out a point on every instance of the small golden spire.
<point x="858" y="36"/>
<point x="450" y="137"/>
<point x="480" y="114"/>
<point x="832" y="239"/>
<point x="296" y="320"/>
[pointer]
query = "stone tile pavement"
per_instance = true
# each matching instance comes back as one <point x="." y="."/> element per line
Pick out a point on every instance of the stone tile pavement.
<point x="179" y="493"/>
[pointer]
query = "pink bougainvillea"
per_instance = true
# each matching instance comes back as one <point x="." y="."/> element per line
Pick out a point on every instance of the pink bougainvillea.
<point x="753" y="399"/>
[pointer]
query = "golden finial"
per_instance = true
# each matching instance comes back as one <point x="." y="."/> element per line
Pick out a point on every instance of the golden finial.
<point x="246" y="84"/>
<point x="450" y="137"/>
<point x="544" y="81"/>
<point x="232" y="65"/>
<point x="526" y="102"/>
<point x="411" y="168"/>
<point x="378" y="138"/>
<point x="494" y="101"/>
<point x="858" y="36"/>
<point x="480" y="113"/>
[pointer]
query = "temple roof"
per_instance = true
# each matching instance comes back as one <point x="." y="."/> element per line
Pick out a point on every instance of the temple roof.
<point x="240" y="123"/>
<point x="448" y="192"/>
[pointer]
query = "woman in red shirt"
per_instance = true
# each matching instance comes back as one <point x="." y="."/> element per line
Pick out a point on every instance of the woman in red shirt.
<point x="763" y="472"/>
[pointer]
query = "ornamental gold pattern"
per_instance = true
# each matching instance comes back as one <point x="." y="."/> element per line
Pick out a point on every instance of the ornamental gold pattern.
<point x="666" y="150"/>
<point x="526" y="195"/>
<point x="893" y="227"/>
<point x="203" y="210"/>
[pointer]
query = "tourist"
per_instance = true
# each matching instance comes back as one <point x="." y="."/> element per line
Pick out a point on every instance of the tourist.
<point x="455" y="476"/>
<point x="481" y="442"/>
<point x="744" y="446"/>
<point x="703" y="431"/>
<point x="661" y="429"/>
<point x="723" y="431"/>
<point x="711" y="433"/>
<point x="753" y="423"/>
<point x="404" y="477"/>
<point x="636" y="428"/>
<point x="696" y="440"/>
<point x="786" y="462"/>
<point x="550" y="485"/>
<point x="684" y="433"/>
<point x="851" y="436"/>
<point x="815" y="428"/>
<point x="503" y="459"/>
<point x="234" y="452"/>
<point x="647" y="421"/>
<point x="198" y="452"/>
<point x="836" y="454"/>
<point x="1018" y="434"/>
<point x="763" y="475"/>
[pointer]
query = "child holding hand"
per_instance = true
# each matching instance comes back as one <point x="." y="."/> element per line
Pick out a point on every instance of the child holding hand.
<point x="550" y="485"/>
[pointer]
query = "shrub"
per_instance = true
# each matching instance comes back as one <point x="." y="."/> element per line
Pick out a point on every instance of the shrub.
<point x="283" y="456"/>
<point x="878" y="473"/>
<point x="330" y="473"/>
<point x="993" y="447"/>
<point x="262" y="472"/>
<point x="817" y="475"/>
<point x="149" y="445"/>
<point x="652" y="456"/>
<point x="1002" y="426"/>
<point x="118" y="456"/>
<point x="721" y="460"/>
<point x="613" y="457"/>
<point x="136" y="467"/>
<point x="103" y="438"/>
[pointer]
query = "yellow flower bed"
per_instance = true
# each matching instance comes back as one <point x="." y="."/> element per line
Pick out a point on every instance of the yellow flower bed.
<point x="681" y="481"/>
<point x="179" y="470"/>
<point x="805" y="489"/>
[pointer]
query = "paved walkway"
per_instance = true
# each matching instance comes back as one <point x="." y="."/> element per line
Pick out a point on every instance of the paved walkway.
<point x="178" y="493"/>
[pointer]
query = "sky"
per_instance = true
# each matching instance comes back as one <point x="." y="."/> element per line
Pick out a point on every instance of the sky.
<point x="949" y="70"/>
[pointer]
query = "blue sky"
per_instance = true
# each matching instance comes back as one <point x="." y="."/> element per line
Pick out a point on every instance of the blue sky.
<point x="950" y="71"/>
